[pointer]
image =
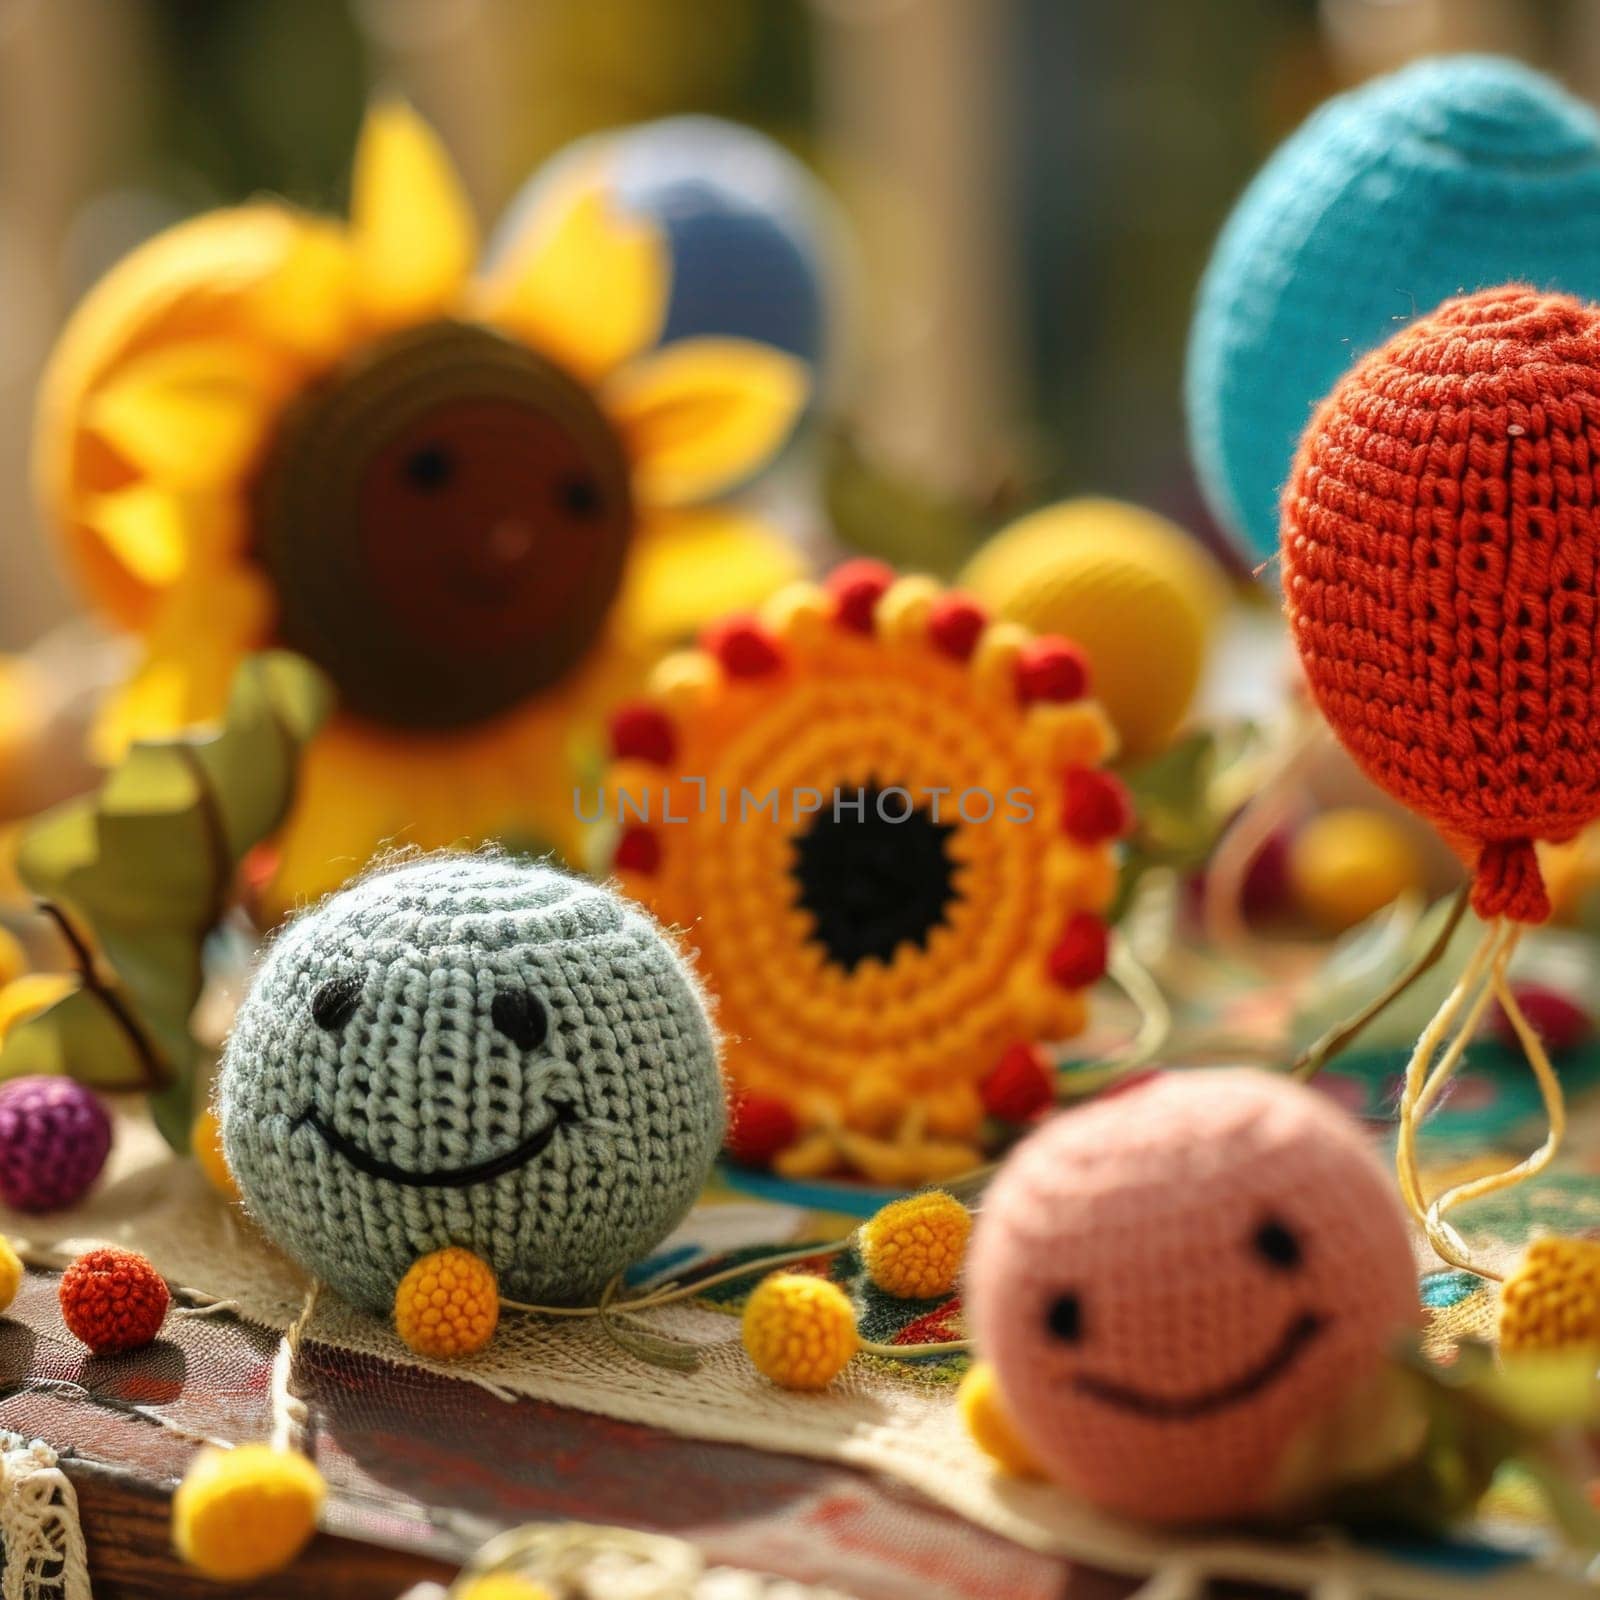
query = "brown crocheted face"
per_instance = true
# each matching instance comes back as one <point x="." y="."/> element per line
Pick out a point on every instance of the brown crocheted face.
<point x="446" y="522"/>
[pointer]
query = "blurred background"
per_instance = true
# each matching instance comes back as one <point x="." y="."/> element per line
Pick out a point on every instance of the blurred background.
<point x="1029" y="188"/>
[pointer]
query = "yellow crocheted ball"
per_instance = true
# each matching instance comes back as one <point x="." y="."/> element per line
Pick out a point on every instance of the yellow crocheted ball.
<point x="914" y="1247"/>
<point x="984" y="1417"/>
<point x="502" y="1586"/>
<point x="10" y="1273"/>
<point x="447" y="1305"/>
<point x="1129" y="586"/>
<point x="243" y="1513"/>
<point x="205" y="1142"/>
<point x="1552" y="1301"/>
<point x="799" y="1331"/>
<point x="1349" y="863"/>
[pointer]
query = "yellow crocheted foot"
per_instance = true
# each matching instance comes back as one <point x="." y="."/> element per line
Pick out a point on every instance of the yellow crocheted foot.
<point x="503" y="1586"/>
<point x="983" y="1414"/>
<point x="914" y="1247"/>
<point x="447" y="1305"/>
<point x="1552" y="1300"/>
<point x="799" y="1331"/>
<point x="242" y="1513"/>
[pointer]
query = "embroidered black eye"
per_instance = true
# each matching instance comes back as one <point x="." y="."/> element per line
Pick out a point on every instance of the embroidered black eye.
<point x="334" y="1001"/>
<point x="1065" y="1318"/>
<point x="1276" y="1244"/>
<point x="430" y="468"/>
<point x="521" y="1017"/>
<point x="578" y="496"/>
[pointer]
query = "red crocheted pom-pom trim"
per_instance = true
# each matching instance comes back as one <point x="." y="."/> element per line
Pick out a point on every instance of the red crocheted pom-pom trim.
<point x="113" y="1300"/>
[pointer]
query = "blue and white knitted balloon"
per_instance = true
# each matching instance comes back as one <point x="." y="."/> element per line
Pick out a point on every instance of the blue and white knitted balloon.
<point x="1454" y="174"/>
<point x="473" y="1051"/>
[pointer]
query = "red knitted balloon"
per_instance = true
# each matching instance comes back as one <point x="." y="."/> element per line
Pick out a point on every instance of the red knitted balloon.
<point x="1440" y="540"/>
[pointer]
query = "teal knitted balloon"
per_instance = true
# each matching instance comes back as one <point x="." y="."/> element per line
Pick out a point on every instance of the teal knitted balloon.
<point x="1452" y="175"/>
<point x="473" y="1051"/>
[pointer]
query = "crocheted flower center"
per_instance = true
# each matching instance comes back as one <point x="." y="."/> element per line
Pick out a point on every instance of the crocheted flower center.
<point x="445" y="521"/>
<point x="876" y="880"/>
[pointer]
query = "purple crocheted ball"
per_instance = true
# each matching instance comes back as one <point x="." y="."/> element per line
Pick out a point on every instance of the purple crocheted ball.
<point x="54" y="1139"/>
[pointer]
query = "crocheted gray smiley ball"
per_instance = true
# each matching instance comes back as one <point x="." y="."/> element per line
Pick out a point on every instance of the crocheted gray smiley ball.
<point x="475" y="1051"/>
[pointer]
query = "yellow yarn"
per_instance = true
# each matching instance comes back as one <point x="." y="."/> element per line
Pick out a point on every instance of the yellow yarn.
<point x="914" y="1247"/>
<point x="502" y="1586"/>
<point x="799" y="1331"/>
<point x="1129" y="586"/>
<point x="30" y="994"/>
<point x="243" y="1513"/>
<point x="10" y="1273"/>
<point x="983" y="1415"/>
<point x="447" y="1305"/>
<point x="1552" y="1300"/>
<point x="205" y="1143"/>
<point x="1347" y="864"/>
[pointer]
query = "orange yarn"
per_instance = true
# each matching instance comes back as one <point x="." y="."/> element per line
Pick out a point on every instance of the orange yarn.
<point x="1440" y="541"/>
<point x="875" y="967"/>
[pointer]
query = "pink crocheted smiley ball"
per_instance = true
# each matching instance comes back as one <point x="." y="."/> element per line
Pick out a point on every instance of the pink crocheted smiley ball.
<point x="1172" y="1281"/>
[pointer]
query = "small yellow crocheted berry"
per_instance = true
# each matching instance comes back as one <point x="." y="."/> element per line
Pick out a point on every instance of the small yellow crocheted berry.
<point x="205" y="1143"/>
<point x="245" y="1512"/>
<point x="914" y="1247"/>
<point x="1552" y="1300"/>
<point x="447" y="1305"/>
<point x="502" y="1586"/>
<point x="799" y="1331"/>
<point x="983" y="1414"/>
<point x="10" y="1273"/>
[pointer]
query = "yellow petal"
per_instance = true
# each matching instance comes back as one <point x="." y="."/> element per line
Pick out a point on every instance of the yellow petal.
<point x="412" y="228"/>
<point x="587" y="285"/>
<point x="308" y="303"/>
<point x="700" y="415"/>
<point x="689" y="567"/>
<point x="143" y="527"/>
<point x="189" y="416"/>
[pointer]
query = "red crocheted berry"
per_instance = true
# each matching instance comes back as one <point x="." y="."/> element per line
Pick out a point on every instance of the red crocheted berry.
<point x="1441" y="553"/>
<point x="743" y="647"/>
<point x="1097" y="808"/>
<point x="113" y="1300"/>
<point x="638" y="850"/>
<point x="955" y="622"/>
<point x="643" y="732"/>
<point x="1080" y="958"/>
<point x="1049" y="668"/>
<point x="857" y="587"/>
<point x="1021" y="1085"/>
<point x="758" y="1128"/>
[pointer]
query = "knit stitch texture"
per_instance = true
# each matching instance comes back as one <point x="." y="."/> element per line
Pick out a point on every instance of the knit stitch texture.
<point x="1172" y="1282"/>
<point x="1450" y="176"/>
<point x="477" y="1013"/>
<point x="1440" y="541"/>
<point x="54" y="1139"/>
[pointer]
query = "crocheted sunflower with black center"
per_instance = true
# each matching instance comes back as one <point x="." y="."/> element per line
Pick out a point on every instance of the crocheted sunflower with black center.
<point x="880" y="819"/>
<point x="476" y="499"/>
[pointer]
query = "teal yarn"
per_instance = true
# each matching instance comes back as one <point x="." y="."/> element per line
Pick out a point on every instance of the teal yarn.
<point x="474" y="1051"/>
<point x="1455" y="174"/>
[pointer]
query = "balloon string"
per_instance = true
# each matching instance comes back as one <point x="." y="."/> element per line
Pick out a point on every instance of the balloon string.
<point x="1486" y="978"/>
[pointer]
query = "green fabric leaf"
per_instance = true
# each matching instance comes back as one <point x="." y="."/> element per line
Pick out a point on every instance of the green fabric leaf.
<point x="146" y="867"/>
